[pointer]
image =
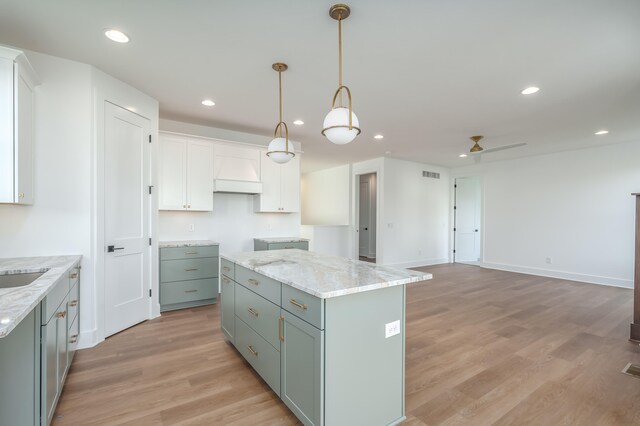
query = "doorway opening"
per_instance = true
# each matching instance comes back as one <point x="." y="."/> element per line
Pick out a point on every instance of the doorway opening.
<point x="367" y="216"/>
<point x="467" y="217"/>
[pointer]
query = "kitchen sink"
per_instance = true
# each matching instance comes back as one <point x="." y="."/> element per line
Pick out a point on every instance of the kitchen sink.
<point x="18" y="280"/>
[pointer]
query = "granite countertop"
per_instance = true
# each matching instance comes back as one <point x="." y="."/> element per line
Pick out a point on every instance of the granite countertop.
<point x="187" y="243"/>
<point x="17" y="302"/>
<point x="324" y="276"/>
<point x="281" y="240"/>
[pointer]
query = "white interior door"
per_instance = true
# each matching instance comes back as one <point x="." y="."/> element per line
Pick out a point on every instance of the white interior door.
<point x="363" y="218"/>
<point x="467" y="220"/>
<point x="126" y="213"/>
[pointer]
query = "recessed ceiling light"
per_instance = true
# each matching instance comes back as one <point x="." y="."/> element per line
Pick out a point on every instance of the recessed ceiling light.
<point x="530" y="90"/>
<point x="602" y="132"/>
<point x="117" y="36"/>
<point x="298" y="122"/>
<point x="378" y="137"/>
<point x="462" y="155"/>
<point x="208" y="102"/>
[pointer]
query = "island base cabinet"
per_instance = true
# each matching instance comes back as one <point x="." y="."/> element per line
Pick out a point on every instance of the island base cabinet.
<point x="227" y="293"/>
<point x="54" y="361"/>
<point x="302" y="384"/>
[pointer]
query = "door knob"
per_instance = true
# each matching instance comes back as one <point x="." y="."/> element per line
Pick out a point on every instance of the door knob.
<point x="476" y="230"/>
<point x="111" y="249"/>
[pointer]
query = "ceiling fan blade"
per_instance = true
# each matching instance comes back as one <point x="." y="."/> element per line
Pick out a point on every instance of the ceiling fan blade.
<point x="498" y="148"/>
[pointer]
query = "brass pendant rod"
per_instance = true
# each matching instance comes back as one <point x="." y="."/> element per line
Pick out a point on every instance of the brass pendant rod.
<point x="340" y="55"/>
<point x="280" y="96"/>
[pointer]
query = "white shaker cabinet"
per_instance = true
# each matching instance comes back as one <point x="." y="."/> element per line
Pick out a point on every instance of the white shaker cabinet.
<point x="186" y="174"/>
<point x="281" y="186"/>
<point x="17" y="85"/>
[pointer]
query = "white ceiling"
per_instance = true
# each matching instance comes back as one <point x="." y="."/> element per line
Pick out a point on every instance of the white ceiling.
<point x="426" y="74"/>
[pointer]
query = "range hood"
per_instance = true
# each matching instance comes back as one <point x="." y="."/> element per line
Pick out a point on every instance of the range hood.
<point x="237" y="186"/>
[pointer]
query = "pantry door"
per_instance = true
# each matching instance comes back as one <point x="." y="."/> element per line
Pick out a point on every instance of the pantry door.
<point x="126" y="219"/>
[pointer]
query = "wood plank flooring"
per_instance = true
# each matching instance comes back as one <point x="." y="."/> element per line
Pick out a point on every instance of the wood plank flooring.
<point x="483" y="347"/>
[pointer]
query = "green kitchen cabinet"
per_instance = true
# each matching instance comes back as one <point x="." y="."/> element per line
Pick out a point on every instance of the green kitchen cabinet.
<point x="227" y="292"/>
<point x="260" y="244"/>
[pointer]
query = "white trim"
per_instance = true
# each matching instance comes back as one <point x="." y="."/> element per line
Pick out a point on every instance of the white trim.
<point x="296" y="145"/>
<point x="88" y="339"/>
<point x="571" y="276"/>
<point x="421" y="262"/>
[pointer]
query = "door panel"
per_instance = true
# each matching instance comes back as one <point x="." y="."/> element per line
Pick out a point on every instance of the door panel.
<point x="271" y="184"/>
<point x="126" y="219"/>
<point x="290" y="185"/>
<point x="200" y="176"/>
<point x="467" y="224"/>
<point x="172" y="174"/>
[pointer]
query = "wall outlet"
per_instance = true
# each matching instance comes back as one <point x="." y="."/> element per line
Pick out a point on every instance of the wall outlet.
<point x="549" y="261"/>
<point x="391" y="329"/>
<point x="191" y="227"/>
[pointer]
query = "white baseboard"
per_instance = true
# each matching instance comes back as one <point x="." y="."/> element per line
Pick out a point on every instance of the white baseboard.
<point x="571" y="276"/>
<point x="420" y="262"/>
<point x="88" y="339"/>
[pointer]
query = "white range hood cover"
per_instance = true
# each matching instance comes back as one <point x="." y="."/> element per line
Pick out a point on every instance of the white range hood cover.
<point x="237" y="186"/>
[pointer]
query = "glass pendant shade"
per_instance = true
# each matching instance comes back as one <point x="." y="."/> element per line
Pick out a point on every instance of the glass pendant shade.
<point x="278" y="151"/>
<point x="336" y="126"/>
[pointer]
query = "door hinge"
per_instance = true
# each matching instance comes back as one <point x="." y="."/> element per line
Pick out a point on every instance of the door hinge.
<point x="455" y="207"/>
<point x="149" y="241"/>
<point x="454" y="229"/>
<point x="454" y="251"/>
<point x="149" y="138"/>
<point x="149" y="292"/>
<point x="455" y="186"/>
<point x="150" y="187"/>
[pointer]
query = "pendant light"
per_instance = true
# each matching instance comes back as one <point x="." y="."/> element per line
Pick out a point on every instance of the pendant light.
<point x="341" y="124"/>
<point x="279" y="149"/>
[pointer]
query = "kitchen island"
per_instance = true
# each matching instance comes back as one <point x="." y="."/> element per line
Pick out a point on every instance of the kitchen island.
<point x="325" y="333"/>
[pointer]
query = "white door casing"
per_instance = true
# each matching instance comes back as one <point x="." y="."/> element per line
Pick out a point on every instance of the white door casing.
<point x="364" y="217"/>
<point x="467" y="232"/>
<point x="126" y="218"/>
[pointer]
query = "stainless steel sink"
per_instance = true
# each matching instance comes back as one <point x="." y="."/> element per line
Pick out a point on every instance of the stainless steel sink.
<point x="18" y="280"/>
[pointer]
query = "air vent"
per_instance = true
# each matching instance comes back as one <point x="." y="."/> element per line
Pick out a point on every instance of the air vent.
<point x="432" y="175"/>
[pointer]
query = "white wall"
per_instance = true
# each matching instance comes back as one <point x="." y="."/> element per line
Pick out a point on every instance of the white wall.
<point x="325" y="197"/>
<point x="415" y="226"/>
<point x="329" y="240"/>
<point x="59" y="221"/>
<point x="574" y="207"/>
<point x="233" y="222"/>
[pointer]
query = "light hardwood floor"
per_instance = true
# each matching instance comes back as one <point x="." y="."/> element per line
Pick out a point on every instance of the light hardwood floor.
<point x="483" y="347"/>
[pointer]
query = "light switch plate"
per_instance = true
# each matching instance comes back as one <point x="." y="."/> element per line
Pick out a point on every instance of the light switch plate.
<point x="391" y="329"/>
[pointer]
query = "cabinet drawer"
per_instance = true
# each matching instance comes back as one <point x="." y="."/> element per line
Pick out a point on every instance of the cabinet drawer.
<point x="228" y="268"/>
<point x="304" y="306"/>
<point x="188" y="269"/>
<point x="188" y="291"/>
<point x="73" y="340"/>
<point x="55" y="298"/>
<point x="260" y="314"/>
<point x="171" y="253"/>
<point x="261" y="355"/>
<point x="264" y="286"/>
<point x="303" y="245"/>
<point x="74" y="301"/>
<point x="74" y="276"/>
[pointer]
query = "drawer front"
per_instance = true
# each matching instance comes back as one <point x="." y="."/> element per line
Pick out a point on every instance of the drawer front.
<point x="264" y="286"/>
<point x="228" y="308"/>
<point x="260" y="314"/>
<point x="188" y="269"/>
<point x="228" y="268"/>
<point x="172" y="253"/>
<point x="55" y="298"/>
<point x="304" y="306"/>
<point x="74" y="303"/>
<point x="74" y="276"/>
<point x="188" y="291"/>
<point x="260" y="354"/>
<point x="302" y="245"/>
<point x="73" y="340"/>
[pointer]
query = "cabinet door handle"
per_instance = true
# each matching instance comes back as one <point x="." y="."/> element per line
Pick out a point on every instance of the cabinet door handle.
<point x="252" y="281"/>
<point x="253" y="351"/>
<point x="226" y="280"/>
<point x="190" y="252"/>
<point x="226" y="268"/>
<point x="61" y="314"/>
<point x="73" y="303"/>
<point x="191" y="269"/>
<point x="191" y="291"/>
<point x="280" y="328"/>
<point x="253" y="312"/>
<point x="75" y="274"/>
<point x="298" y="304"/>
<point x="74" y="338"/>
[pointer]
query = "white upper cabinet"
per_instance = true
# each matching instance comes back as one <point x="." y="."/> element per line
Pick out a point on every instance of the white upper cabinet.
<point x="17" y="85"/>
<point x="281" y="186"/>
<point x="185" y="174"/>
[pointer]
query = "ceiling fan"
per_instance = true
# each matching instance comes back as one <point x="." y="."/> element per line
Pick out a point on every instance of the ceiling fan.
<point x="476" y="149"/>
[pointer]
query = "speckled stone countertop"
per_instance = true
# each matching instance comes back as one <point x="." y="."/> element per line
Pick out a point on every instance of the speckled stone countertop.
<point x="187" y="243"/>
<point x="324" y="276"/>
<point x="17" y="302"/>
<point x="281" y="240"/>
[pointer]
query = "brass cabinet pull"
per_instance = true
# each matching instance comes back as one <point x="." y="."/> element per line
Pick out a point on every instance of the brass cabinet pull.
<point x="74" y="275"/>
<point x="253" y="351"/>
<point x="191" y="269"/>
<point x="226" y="280"/>
<point x="74" y="338"/>
<point x="188" y="206"/>
<point x="190" y="252"/>
<point x="184" y="206"/>
<point x="280" y="328"/>
<point x="298" y="304"/>
<point x="226" y="268"/>
<point x="73" y="303"/>
<point x="21" y="195"/>
<point x="252" y="281"/>
<point x="61" y="314"/>
<point x="191" y="291"/>
<point x="253" y="312"/>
